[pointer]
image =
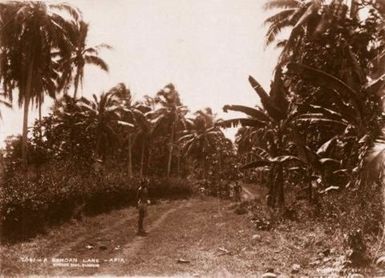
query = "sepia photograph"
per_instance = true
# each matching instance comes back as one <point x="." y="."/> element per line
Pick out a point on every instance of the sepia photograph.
<point x="192" y="138"/>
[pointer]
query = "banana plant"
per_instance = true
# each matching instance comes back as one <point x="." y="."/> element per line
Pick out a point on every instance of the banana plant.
<point x="354" y="137"/>
<point x="273" y="122"/>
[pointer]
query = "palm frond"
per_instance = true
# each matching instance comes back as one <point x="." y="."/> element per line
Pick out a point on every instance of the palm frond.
<point x="6" y="103"/>
<point x="97" y="61"/>
<point x="298" y="27"/>
<point x="279" y="16"/>
<point x="74" y="12"/>
<point x="281" y="4"/>
<point x="103" y="45"/>
<point x="274" y="29"/>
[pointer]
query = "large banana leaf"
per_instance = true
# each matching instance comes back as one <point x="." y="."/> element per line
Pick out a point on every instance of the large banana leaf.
<point x="327" y="147"/>
<point x="278" y="92"/>
<point x="283" y="159"/>
<point x="304" y="152"/>
<point x="267" y="102"/>
<point x="252" y="112"/>
<point x="329" y="162"/>
<point x="376" y="86"/>
<point x="324" y="79"/>
<point x="241" y="122"/>
<point x="327" y="112"/>
<point x="319" y="119"/>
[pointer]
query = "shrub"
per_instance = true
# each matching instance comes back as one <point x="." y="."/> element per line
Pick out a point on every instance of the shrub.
<point x="361" y="209"/>
<point x="30" y="203"/>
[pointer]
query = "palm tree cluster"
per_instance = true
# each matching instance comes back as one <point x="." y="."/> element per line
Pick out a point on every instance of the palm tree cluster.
<point x="42" y="51"/>
<point x="323" y="113"/>
<point x="153" y="136"/>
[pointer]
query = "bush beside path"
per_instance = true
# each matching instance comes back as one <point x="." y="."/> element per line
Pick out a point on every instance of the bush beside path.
<point x="186" y="237"/>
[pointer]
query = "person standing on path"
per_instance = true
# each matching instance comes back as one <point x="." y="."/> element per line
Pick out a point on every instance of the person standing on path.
<point x="142" y="201"/>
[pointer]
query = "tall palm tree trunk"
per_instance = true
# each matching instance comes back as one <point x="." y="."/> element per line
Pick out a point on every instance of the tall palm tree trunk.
<point x="171" y="149"/>
<point x="353" y="9"/>
<point x="204" y="166"/>
<point x="27" y="98"/>
<point x="76" y="85"/>
<point x="220" y="164"/>
<point x="25" y="128"/>
<point x="40" y="135"/>
<point x="142" y="158"/>
<point x="148" y="164"/>
<point x="130" y="155"/>
<point x="178" y="164"/>
<point x="40" y="127"/>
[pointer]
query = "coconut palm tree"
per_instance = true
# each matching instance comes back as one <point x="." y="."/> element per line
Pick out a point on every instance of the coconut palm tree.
<point x="134" y="113"/>
<point x="30" y="31"/>
<point x="201" y="138"/>
<point x="103" y="116"/>
<point x="81" y="55"/>
<point x="144" y="133"/>
<point x="170" y="116"/>
<point x="305" y="18"/>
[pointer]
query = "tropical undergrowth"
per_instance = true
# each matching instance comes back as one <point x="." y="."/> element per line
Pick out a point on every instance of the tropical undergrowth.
<point x="60" y="191"/>
<point x="317" y="127"/>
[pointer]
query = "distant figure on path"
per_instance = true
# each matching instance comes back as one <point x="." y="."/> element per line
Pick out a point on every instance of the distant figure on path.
<point x="142" y="199"/>
<point x="237" y="191"/>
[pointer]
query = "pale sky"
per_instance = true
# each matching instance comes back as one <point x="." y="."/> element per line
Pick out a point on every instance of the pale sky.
<point x="207" y="48"/>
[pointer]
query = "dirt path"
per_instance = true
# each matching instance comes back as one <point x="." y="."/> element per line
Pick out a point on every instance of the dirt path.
<point x="187" y="237"/>
<point x="95" y="237"/>
<point x="131" y="249"/>
<point x="83" y="238"/>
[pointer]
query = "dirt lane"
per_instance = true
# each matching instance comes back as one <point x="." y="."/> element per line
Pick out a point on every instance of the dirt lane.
<point x="95" y="237"/>
<point x="130" y="250"/>
<point x="197" y="237"/>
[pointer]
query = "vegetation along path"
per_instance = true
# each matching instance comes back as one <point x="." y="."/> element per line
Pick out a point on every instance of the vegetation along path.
<point x="190" y="237"/>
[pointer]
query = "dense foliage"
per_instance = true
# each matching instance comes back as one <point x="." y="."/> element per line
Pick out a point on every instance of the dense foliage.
<point x="323" y="114"/>
<point x="313" y="133"/>
<point x="92" y="153"/>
